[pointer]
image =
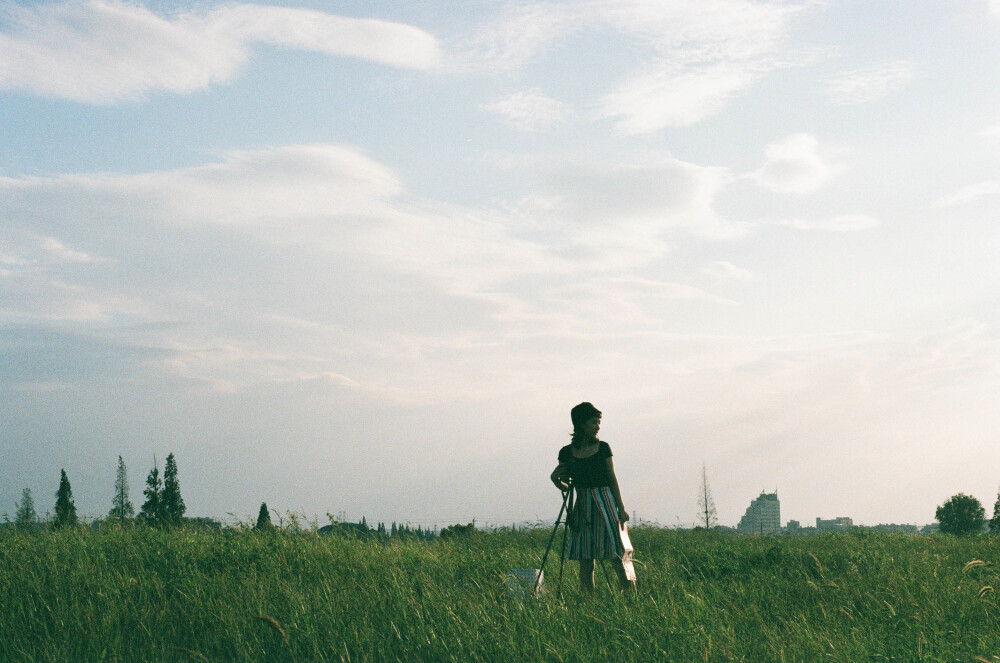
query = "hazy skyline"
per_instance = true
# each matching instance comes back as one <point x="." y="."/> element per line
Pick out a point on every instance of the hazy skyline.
<point x="365" y="257"/>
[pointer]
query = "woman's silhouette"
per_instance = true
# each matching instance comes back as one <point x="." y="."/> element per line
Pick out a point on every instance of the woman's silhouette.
<point x="598" y="513"/>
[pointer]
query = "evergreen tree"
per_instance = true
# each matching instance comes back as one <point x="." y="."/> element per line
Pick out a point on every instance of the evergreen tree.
<point x="65" y="508"/>
<point x="263" y="518"/>
<point x="152" y="508"/>
<point x="706" y="505"/>
<point x="121" y="505"/>
<point x="25" y="517"/>
<point x="173" y="503"/>
<point x="995" y="520"/>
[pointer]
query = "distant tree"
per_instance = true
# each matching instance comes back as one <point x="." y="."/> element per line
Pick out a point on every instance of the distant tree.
<point x="263" y="518"/>
<point x="25" y="517"/>
<point x="961" y="515"/>
<point x="152" y="508"/>
<point x="707" y="515"/>
<point x="995" y="520"/>
<point x="65" y="508"/>
<point x="173" y="503"/>
<point x="459" y="530"/>
<point x="121" y="505"/>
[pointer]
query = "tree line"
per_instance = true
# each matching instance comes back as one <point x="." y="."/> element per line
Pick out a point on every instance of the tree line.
<point x="163" y="505"/>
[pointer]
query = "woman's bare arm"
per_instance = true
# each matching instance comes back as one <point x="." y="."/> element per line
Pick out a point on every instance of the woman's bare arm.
<point x="560" y="476"/>
<point x="622" y="513"/>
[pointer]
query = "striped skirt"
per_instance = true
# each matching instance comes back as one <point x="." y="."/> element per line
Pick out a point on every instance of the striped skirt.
<point x="598" y="534"/>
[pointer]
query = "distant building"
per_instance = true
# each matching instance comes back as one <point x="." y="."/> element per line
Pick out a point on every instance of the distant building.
<point x="840" y="524"/>
<point x="763" y="516"/>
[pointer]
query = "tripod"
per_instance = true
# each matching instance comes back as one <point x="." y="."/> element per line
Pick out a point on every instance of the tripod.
<point x="562" y="558"/>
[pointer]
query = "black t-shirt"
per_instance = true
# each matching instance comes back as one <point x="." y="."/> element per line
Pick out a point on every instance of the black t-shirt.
<point x="589" y="472"/>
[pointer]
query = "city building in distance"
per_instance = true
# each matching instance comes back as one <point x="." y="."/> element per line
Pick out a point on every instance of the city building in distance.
<point x="840" y="524"/>
<point x="763" y="516"/>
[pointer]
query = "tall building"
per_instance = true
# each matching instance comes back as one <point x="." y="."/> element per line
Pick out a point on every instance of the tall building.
<point x="763" y="516"/>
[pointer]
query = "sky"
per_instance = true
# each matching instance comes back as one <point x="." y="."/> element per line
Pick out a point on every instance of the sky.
<point x="362" y="258"/>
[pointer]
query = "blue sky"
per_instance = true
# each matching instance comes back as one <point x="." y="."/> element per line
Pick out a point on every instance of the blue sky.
<point x="365" y="257"/>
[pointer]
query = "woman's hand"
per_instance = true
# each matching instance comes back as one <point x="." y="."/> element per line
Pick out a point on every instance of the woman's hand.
<point x="622" y="515"/>
<point x="560" y="477"/>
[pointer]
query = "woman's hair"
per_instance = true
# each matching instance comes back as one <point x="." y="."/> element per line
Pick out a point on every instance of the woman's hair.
<point x="578" y="437"/>
<point x="580" y="415"/>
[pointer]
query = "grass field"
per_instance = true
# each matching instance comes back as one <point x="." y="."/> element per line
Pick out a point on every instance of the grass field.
<point x="139" y="594"/>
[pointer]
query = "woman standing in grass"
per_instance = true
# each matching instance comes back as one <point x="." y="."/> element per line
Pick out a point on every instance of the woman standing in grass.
<point x="598" y="514"/>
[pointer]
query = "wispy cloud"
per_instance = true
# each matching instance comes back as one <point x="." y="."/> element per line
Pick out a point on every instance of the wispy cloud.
<point x="794" y="165"/>
<point x="842" y="223"/>
<point x="863" y="85"/>
<point x="969" y="193"/>
<point x="529" y="110"/>
<point x="707" y="51"/>
<point x="671" y="96"/>
<point x="264" y="187"/>
<point x="701" y="53"/>
<point x="723" y="270"/>
<point x="105" y="51"/>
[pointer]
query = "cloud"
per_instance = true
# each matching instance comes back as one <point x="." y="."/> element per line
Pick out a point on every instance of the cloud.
<point x="701" y="53"/>
<point x="723" y="270"/>
<point x="104" y="52"/>
<point x="707" y="52"/>
<point x="969" y="194"/>
<point x="864" y="85"/>
<point x="670" y="96"/>
<point x="529" y="110"/>
<point x="45" y="358"/>
<point x="520" y="34"/>
<point x="36" y="296"/>
<point x="794" y="165"/>
<point x="343" y="214"/>
<point x="22" y="249"/>
<point x="265" y="186"/>
<point x="670" y="195"/>
<point x="842" y="223"/>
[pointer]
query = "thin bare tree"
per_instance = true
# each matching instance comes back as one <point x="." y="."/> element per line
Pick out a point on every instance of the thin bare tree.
<point x="707" y="515"/>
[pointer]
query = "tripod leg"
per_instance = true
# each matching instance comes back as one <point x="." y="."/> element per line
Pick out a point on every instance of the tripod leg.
<point x="551" y="538"/>
<point x="562" y="559"/>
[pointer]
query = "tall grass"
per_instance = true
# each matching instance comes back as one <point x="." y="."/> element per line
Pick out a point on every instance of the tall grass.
<point x="139" y="594"/>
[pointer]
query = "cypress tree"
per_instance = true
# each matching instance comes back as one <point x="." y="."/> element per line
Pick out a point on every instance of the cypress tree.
<point x="65" y="508"/>
<point x="152" y="508"/>
<point x="121" y="505"/>
<point x="25" y="517"/>
<point x="173" y="503"/>
<point x="263" y="518"/>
